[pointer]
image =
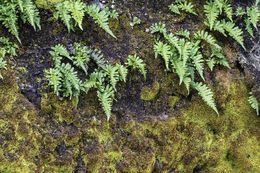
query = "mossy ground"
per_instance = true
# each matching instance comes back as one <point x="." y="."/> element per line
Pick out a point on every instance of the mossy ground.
<point x="172" y="132"/>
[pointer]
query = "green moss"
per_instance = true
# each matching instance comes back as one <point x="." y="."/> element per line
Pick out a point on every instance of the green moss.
<point x="150" y="93"/>
<point x="47" y="4"/>
<point x="172" y="100"/>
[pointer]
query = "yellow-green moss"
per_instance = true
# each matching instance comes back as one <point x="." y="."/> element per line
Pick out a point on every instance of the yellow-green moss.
<point x="47" y="4"/>
<point x="150" y="93"/>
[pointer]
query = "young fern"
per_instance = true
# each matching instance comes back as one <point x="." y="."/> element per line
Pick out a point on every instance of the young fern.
<point x="137" y="63"/>
<point x="106" y="99"/>
<point x="9" y="15"/>
<point x="253" y="102"/>
<point x="100" y="17"/>
<point x="165" y="51"/>
<point x="206" y="95"/>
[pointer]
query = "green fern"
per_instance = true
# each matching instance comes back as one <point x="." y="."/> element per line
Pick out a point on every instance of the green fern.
<point x="81" y="57"/>
<point x="158" y="27"/>
<point x="100" y="17"/>
<point x="185" y="33"/>
<point x="106" y="98"/>
<point x="253" y="14"/>
<point x="248" y="27"/>
<point x="136" y="63"/>
<point x="204" y="35"/>
<point x="227" y="9"/>
<point x="9" y="15"/>
<point x="77" y="12"/>
<point x="165" y="51"/>
<point x="253" y="102"/>
<point x="7" y="47"/>
<point x="97" y="56"/>
<point x="240" y="12"/>
<point x="234" y="31"/>
<point x="112" y="73"/>
<point x="206" y="94"/>
<point x="212" y="12"/>
<point x="122" y="72"/>
<point x="2" y="66"/>
<point x="187" y="7"/>
<point x="174" y="9"/>
<point x="62" y="11"/>
<point x="54" y="77"/>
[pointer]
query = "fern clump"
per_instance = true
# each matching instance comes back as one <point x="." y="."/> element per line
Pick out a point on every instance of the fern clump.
<point x="72" y="12"/>
<point x="137" y="63"/>
<point x="6" y="48"/>
<point x="182" y="5"/>
<point x="64" y="78"/>
<point x="9" y="11"/>
<point x="214" y="10"/>
<point x="253" y="102"/>
<point x="184" y="56"/>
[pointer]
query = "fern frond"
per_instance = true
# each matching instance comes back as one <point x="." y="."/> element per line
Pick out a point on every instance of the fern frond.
<point x="174" y="41"/>
<point x="185" y="33"/>
<point x="235" y="32"/>
<point x="137" y="63"/>
<point x="122" y="72"/>
<point x="61" y="50"/>
<point x="97" y="56"/>
<point x="204" y="35"/>
<point x="206" y="94"/>
<point x="180" y="69"/>
<point x="240" y="12"/>
<point x="187" y="7"/>
<point x="228" y="9"/>
<point x="187" y="82"/>
<point x="54" y="77"/>
<point x="165" y="51"/>
<point x="31" y="13"/>
<point x="77" y="12"/>
<point x="253" y="102"/>
<point x="253" y="14"/>
<point x="218" y="26"/>
<point x="71" y="78"/>
<point x="185" y="51"/>
<point x="199" y="64"/>
<point x="100" y="17"/>
<point x="211" y="63"/>
<point x="2" y="66"/>
<point x="212" y="12"/>
<point x="90" y="83"/>
<point x="249" y="28"/>
<point x="8" y="16"/>
<point x="106" y="99"/>
<point x="158" y="27"/>
<point x="62" y="11"/>
<point x="174" y="8"/>
<point x="113" y="75"/>
<point x="81" y="57"/>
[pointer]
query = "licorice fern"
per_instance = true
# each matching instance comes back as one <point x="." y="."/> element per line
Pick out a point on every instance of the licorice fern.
<point x="206" y="94"/>
<point x="137" y="63"/>
<point x="64" y="77"/>
<point x="9" y="15"/>
<point x="253" y="102"/>
<point x="100" y="17"/>
<point x="183" y="6"/>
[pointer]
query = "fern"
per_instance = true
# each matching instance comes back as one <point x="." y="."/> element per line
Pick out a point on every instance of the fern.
<point x="174" y="9"/>
<point x="113" y="75"/>
<point x="2" y="66"/>
<point x="212" y="13"/>
<point x="54" y="77"/>
<point x="31" y="13"/>
<point x="234" y="32"/>
<point x="180" y="69"/>
<point x="137" y="63"/>
<point x="106" y="99"/>
<point x="206" y="95"/>
<point x="248" y="27"/>
<point x="199" y="65"/>
<point x="227" y="9"/>
<point x="158" y="27"/>
<point x="8" y="47"/>
<point x="97" y="56"/>
<point x="253" y="102"/>
<point x="240" y="12"/>
<point x="77" y="12"/>
<point x="253" y="14"/>
<point x="100" y="17"/>
<point x="187" y="7"/>
<point x="135" y="21"/>
<point x="81" y="57"/>
<point x="122" y="72"/>
<point x="9" y="11"/>
<point x="204" y="35"/>
<point x="184" y="33"/>
<point x="62" y="11"/>
<point x="163" y="50"/>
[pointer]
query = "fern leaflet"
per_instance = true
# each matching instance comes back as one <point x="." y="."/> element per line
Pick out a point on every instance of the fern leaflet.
<point x="253" y="102"/>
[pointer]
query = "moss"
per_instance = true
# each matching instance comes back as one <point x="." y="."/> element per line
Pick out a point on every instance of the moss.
<point x="149" y="94"/>
<point x="172" y="100"/>
<point x="47" y="4"/>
